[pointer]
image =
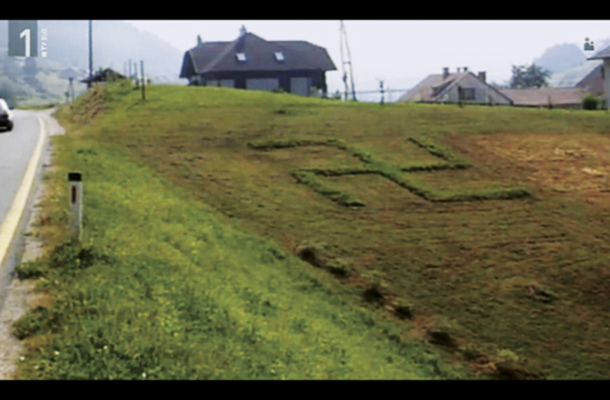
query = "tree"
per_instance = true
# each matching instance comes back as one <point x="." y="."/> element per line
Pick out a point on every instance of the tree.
<point x="525" y="77"/>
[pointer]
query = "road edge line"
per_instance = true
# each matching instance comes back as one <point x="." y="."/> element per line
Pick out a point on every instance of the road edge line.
<point x="9" y="227"/>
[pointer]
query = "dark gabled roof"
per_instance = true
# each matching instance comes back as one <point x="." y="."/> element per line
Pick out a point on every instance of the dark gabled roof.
<point x="594" y="81"/>
<point x="260" y="56"/>
<point x="605" y="53"/>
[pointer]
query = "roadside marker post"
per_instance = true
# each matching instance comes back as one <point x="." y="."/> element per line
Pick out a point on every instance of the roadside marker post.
<point x="76" y="205"/>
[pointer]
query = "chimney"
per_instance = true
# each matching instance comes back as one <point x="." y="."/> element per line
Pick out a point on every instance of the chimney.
<point x="465" y="69"/>
<point x="458" y="70"/>
<point x="445" y="73"/>
<point x="242" y="31"/>
<point x="482" y="76"/>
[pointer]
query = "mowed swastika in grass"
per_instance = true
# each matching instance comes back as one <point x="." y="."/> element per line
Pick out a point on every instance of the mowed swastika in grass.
<point x="403" y="175"/>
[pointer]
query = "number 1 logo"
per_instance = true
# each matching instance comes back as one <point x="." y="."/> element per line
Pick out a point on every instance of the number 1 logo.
<point x="26" y="33"/>
<point x="23" y="38"/>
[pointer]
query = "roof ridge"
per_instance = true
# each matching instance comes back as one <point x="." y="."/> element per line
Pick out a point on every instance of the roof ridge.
<point x="452" y="83"/>
<point x="300" y="54"/>
<point x="193" y="61"/>
<point x="222" y="54"/>
<point x="463" y="75"/>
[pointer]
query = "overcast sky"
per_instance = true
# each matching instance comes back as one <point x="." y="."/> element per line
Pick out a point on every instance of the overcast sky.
<point x="401" y="52"/>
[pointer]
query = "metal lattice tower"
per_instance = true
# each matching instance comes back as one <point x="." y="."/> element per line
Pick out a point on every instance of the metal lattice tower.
<point x="348" y="62"/>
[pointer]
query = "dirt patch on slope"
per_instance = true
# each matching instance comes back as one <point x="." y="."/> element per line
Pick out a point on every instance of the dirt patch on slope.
<point x="555" y="163"/>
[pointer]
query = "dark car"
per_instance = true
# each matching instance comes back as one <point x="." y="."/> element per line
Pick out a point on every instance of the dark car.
<point x="6" y="116"/>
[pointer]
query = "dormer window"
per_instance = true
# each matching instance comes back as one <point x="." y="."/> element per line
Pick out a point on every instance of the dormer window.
<point x="279" y="56"/>
<point x="241" y="57"/>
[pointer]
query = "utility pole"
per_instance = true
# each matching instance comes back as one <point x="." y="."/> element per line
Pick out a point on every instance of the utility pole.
<point x="348" y="62"/>
<point x="135" y="71"/>
<point x="90" y="54"/>
<point x="71" y="89"/>
<point x="143" y="82"/>
<point x="381" y="90"/>
<point x="130" y="76"/>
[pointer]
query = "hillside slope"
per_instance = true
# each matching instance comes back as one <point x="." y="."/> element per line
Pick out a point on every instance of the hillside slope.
<point x="166" y="287"/>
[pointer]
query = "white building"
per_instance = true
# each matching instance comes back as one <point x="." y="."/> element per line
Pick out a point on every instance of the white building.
<point x="456" y="87"/>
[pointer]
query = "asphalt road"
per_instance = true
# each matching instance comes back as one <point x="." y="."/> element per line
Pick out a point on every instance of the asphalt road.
<point x="16" y="150"/>
<point x="21" y="153"/>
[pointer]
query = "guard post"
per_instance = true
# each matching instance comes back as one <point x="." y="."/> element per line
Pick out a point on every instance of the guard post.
<point x="76" y="205"/>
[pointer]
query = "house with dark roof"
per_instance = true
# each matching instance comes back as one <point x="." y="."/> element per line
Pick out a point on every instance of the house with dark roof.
<point x="462" y="86"/>
<point x="250" y="62"/>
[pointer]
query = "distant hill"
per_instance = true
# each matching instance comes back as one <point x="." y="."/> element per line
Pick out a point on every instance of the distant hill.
<point x="572" y="76"/>
<point x="114" y="43"/>
<point x="568" y="63"/>
<point x="561" y="57"/>
<point x="44" y="80"/>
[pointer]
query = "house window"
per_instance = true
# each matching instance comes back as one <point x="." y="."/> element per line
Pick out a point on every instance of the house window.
<point x="241" y="57"/>
<point x="465" y="94"/>
<point x="279" y="56"/>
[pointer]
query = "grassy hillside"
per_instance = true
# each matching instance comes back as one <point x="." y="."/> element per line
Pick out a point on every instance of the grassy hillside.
<point x="164" y="287"/>
<point x="473" y="229"/>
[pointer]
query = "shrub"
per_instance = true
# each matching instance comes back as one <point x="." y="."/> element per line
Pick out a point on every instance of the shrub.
<point x="30" y="269"/>
<point x="590" y="102"/>
<point x="35" y="321"/>
<point x="315" y="91"/>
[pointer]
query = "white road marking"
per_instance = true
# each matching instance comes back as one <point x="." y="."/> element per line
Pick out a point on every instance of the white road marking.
<point x="10" y="224"/>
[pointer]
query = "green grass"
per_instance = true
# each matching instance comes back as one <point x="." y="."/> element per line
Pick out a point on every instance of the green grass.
<point x="165" y="288"/>
<point x="463" y="270"/>
<point x="391" y="172"/>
